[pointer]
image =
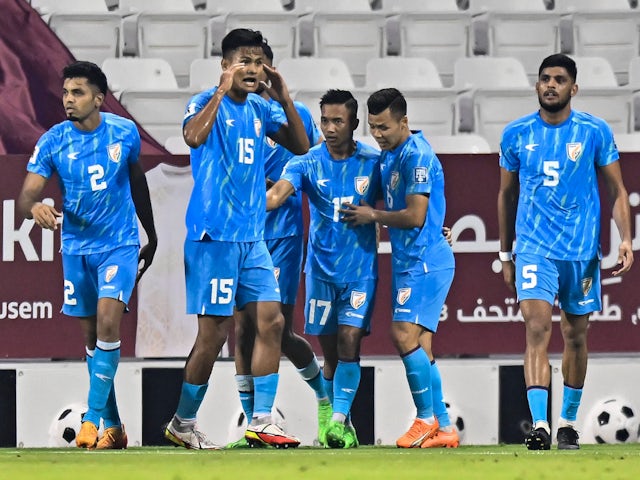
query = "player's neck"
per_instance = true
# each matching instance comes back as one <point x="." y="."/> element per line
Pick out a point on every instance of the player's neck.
<point x="90" y="123"/>
<point x="341" y="152"/>
<point x="555" y="118"/>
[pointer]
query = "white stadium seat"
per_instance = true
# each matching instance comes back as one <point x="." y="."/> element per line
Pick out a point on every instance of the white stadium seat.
<point x="126" y="73"/>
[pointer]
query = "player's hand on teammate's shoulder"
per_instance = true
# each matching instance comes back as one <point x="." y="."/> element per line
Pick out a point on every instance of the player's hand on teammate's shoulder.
<point x="625" y="258"/>
<point x="46" y="216"/>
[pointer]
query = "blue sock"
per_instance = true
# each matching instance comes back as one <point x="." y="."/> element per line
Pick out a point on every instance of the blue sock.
<point x="345" y="382"/>
<point x="265" y="388"/>
<point x="328" y="387"/>
<point x="570" y="402"/>
<point x="312" y="375"/>
<point x="538" y="398"/>
<point x="418" y="370"/>
<point x="110" y="415"/>
<point x="439" y="407"/>
<point x="245" y="389"/>
<point x="103" y="370"/>
<point x="190" y="399"/>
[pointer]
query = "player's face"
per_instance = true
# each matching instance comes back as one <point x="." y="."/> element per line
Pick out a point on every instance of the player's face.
<point x="247" y="78"/>
<point x="336" y="125"/>
<point x="80" y="100"/>
<point x="555" y="89"/>
<point x="388" y="130"/>
<point x="263" y="75"/>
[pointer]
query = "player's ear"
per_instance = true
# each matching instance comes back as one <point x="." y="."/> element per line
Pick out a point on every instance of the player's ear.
<point x="98" y="99"/>
<point x="355" y="121"/>
<point x="224" y="63"/>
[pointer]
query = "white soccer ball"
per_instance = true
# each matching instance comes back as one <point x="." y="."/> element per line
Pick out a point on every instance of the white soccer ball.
<point x="457" y="419"/>
<point x="66" y="425"/>
<point x="615" y="421"/>
<point x="238" y="424"/>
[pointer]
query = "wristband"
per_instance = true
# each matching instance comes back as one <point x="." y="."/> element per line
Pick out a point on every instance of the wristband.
<point x="505" y="256"/>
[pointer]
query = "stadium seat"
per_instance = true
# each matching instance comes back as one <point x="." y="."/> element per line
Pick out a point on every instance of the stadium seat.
<point x="308" y="6"/>
<point x="613" y="104"/>
<point x="529" y="34"/>
<point x="70" y="6"/>
<point x="612" y="34"/>
<point x="477" y="6"/>
<point x="594" y="72"/>
<point x="279" y="28"/>
<point x="462" y="143"/>
<point x="92" y="36"/>
<point x="127" y="73"/>
<point x="244" y="6"/>
<point x="178" y="37"/>
<point x="442" y="37"/>
<point x="565" y="6"/>
<point x="627" y="142"/>
<point x="176" y="145"/>
<point x="634" y="73"/>
<point x="402" y="72"/>
<point x="400" y="6"/>
<point x="315" y="73"/>
<point x="160" y="112"/>
<point x="157" y="5"/>
<point x="204" y="73"/>
<point x="431" y="110"/>
<point x="489" y="72"/>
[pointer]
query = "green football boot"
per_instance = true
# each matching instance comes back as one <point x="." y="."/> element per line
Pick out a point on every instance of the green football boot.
<point x="324" y="416"/>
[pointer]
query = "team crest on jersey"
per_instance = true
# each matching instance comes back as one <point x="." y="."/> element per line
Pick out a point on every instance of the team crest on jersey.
<point x="587" y="283"/>
<point x="110" y="273"/>
<point x="34" y="155"/>
<point x="403" y="295"/>
<point x="115" y="152"/>
<point x="420" y="175"/>
<point x="276" y="273"/>
<point x="257" y="126"/>
<point x="358" y="299"/>
<point x="574" y="151"/>
<point x="395" y="178"/>
<point x="361" y="184"/>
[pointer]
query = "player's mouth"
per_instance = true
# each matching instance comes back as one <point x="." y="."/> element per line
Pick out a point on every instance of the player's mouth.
<point x="251" y="82"/>
<point x="550" y="94"/>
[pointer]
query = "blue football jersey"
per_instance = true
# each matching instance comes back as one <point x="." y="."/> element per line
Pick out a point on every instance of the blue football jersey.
<point x="286" y="221"/>
<point x="336" y="252"/>
<point x="228" y="201"/>
<point x="413" y="168"/>
<point x="93" y="173"/>
<point x="559" y="206"/>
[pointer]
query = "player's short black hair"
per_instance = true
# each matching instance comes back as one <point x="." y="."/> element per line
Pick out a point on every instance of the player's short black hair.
<point x="341" y="97"/>
<point x="266" y="49"/>
<point x="92" y="72"/>
<point x="240" y="37"/>
<point x="560" y="60"/>
<point x="390" y="98"/>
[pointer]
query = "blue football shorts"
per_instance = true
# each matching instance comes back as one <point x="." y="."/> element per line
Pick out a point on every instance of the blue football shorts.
<point x="286" y="254"/>
<point x="221" y="275"/>
<point x="575" y="283"/>
<point x="418" y="297"/>
<point x="331" y="304"/>
<point x="98" y="275"/>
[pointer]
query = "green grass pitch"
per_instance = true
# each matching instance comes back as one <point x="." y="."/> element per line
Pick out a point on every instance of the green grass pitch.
<point x="493" y="462"/>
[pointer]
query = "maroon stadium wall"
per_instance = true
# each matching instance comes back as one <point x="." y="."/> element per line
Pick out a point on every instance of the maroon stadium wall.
<point x="481" y="316"/>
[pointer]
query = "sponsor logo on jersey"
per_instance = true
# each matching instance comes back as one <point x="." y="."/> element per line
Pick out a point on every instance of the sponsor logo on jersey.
<point x="395" y="179"/>
<point x="230" y="122"/>
<point x="115" y="151"/>
<point x="362" y="184"/>
<point x="322" y="182"/>
<point x="110" y="273"/>
<point x="358" y="299"/>
<point x="420" y="175"/>
<point x="531" y="147"/>
<point x="34" y="155"/>
<point x="587" y="283"/>
<point x="574" y="151"/>
<point x="73" y="156"/>
<point x="276" y="273"/>
<point x="403" y="295"/>
<point x="257" y="126"/>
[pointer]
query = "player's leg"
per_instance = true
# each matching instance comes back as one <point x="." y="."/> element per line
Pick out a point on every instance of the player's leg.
<point x="579" y="293"/>
<point x="447" y="435"/>
<point x="259" y="294"/>
<point x="211" y="272"/>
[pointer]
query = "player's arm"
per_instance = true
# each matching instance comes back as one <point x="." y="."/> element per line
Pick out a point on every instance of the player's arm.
<point x="507" y="208"/>
<point x="412" y="216"/>
<point x="198" y="128"/>
<point x="292" y="135"/>
<point x="278" y="193"/>
<point x="30" y="206"/>
<point x="621" y="213"/>
<point x="142" y="202"/>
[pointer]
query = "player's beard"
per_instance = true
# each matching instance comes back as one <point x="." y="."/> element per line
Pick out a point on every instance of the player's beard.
<point x="554" y="108"/>
<point x="73" y="118"/>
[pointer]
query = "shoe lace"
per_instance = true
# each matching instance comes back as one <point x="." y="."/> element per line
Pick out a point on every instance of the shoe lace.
<point x="416" y="428"/>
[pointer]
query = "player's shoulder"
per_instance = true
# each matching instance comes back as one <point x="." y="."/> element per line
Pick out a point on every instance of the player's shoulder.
<point x="114" y="120"/>
<point x="521" y="124"/>
<point x="302" y="108"/>
<point x="202" y="97"/>
<point x="589" y="120"/>
<point x="367" y="152"/>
